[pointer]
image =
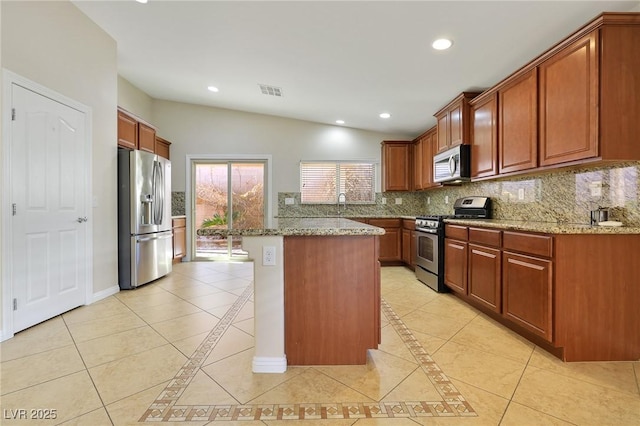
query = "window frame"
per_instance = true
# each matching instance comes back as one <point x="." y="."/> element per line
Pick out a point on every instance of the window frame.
<point x="340" y="181"/>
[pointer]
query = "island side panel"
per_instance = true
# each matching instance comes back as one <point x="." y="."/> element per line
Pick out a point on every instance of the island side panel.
<point x="332" y="299"/>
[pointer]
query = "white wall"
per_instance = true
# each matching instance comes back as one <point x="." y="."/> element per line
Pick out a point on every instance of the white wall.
<point x="134" y="100"/>
<point x="57" y="46"/>
<point x="194" y="129"/>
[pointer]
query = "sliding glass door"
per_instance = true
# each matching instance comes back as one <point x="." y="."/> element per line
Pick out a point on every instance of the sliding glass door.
<point x="226" y="194"/>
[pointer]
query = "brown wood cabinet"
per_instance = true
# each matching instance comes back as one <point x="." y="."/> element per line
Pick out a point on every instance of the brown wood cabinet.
<point x="409" y="243"/>
<point x="396" y="166"/>
<point x="163" y="147"/>
<point x="484" y="281"/>
<point x="331" y="298"/>
<point x="484" y="136"/>
<point x="423" y="160"/>
<point x="127" y="131"/>
<point x="518" y="123"/>
<point x="134" y="133"/>
<point x="456" y="258"/>
<point x="179" y="228"/>
<point x="391" y="241"/>
<point x="453" y="123"/>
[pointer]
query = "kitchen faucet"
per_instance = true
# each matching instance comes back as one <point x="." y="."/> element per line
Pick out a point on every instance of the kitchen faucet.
<point x="342" y="198"/>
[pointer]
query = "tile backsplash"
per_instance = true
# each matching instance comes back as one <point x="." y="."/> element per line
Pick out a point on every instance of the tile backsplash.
<point x="562" y="196"/>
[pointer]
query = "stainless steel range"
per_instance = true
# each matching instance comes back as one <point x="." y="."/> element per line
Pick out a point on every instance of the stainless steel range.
<point x="430" y="238"/>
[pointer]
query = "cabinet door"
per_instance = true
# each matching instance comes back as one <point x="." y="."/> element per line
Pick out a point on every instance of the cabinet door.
<point x="527" y="293"/>
<point x="163" y="147"/>
<point x="569" y="103"/>
<point x="518" y="124"/>
<point x="413" y="249"/>
<point x="484" y="276"/>
<point x="127" y="131"/>
<point x="406" y="246"/>
<point x="456" y="133"/>
<point x="179" y="242"/>
<point x="418" y="159"/>
<point x="396" y="168"/>
<point x="427" y="158"/>
<point x="443" y="131"/>
<point x="146" y="138"/>
<point x="455" y="265"/>
<point x="390" y="245"/>
<point x="484" y="138"/>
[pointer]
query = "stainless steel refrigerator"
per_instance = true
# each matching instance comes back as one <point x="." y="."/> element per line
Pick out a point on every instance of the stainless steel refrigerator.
<point x="145" y="250"/>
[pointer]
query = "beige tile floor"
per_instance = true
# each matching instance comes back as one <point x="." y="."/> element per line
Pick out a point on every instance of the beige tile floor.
<point x="183" y="345"/>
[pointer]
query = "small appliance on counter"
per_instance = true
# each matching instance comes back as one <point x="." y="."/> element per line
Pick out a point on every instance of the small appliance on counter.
<point x="600" y="215"/>
<point x="145" y="250"/>
<point x="430" y="238"/>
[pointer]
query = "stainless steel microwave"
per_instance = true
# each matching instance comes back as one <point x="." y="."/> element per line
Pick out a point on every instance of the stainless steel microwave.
<point x="452" y="165"/>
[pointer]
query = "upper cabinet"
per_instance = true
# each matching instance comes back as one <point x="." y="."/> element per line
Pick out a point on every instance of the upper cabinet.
<point x="134" y="133"/>
<point x="518" y="123"/>
<point x="453" y="122"/>
<point x="396" y="165"/>
<point x="424" y="148"/>
<point x="578" y="102"/>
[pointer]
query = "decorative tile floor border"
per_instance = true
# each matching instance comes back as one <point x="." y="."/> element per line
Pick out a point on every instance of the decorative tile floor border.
<point x="164" y="408"/>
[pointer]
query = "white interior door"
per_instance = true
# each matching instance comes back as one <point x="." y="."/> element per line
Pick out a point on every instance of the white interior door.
<point x="49" y="180"/>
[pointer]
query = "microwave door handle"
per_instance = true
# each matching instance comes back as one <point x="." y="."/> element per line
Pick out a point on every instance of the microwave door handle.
<point x="452" y="165"/>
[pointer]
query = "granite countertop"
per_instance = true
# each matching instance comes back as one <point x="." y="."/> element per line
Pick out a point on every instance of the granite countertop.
<point x="302" y="226"/>
<point x="351" y="216"/>
<point x="544" y="227"/>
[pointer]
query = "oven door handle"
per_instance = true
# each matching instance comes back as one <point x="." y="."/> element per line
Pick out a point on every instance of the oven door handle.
<point x="427" y="230"/>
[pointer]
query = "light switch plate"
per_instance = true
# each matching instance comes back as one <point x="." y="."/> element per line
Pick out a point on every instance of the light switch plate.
<point x="268" y="256"/>
<point x="289" y="201"/>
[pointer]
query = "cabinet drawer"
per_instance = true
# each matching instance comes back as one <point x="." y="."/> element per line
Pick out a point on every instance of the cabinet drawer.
<point x="179" y="222"/>
<point x="455" y="231"/>
<point x="540" y="245"/>
<point x="489" y="237"/>
<point x="409" y="224"/>
<point x="385" y="223"/>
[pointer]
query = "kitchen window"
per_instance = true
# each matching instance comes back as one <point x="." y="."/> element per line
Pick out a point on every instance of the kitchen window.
<point x="321" y="182"/>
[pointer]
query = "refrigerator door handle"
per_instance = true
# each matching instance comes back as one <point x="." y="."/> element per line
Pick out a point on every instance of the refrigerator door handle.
<point x="145" y="239"/>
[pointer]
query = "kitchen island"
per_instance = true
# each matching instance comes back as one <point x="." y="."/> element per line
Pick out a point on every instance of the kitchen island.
<point x="317" y="291"/>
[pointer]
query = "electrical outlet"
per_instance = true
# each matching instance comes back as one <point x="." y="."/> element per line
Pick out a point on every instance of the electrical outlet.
<point x="289" y="201"/>
<point x="446" y="199"/>
<point x="428" y="200"/>
<point x="398" y="200"/>
<point x="521" y="194"/>
<point x="268" y="255"/>
<point x="383" y="201"/>
<point x="596" y="188"/>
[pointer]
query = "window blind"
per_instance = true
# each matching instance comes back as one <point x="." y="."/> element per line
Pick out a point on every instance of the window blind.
<point x="322" y="182"/>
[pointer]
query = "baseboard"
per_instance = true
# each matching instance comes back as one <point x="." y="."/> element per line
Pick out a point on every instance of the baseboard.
<point x="105" y="293"/>
<point x="263" y="364"/>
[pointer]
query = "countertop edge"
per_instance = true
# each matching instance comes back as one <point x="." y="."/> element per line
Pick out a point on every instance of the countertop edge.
<point x="545" y="227"/>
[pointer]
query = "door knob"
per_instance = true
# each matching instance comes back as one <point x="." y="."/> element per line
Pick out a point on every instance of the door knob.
<point x="82" y="219"/>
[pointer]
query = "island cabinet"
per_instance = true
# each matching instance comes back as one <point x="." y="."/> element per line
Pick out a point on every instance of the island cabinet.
<point x="453" y="122"/>
<point x="331" y="299"/>
<point x="396" y="165"/>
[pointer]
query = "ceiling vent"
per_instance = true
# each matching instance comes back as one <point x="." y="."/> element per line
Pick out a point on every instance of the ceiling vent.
<point x="270" y="90"/>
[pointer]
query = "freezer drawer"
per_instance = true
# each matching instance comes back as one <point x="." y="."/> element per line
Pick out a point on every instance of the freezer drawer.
<point x="151" y="257"/>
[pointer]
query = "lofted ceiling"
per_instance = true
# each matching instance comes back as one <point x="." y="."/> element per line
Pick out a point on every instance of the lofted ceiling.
<point x="348" y="60"/>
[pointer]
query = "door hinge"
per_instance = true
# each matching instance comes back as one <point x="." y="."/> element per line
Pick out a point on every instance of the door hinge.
<point x="13" y="209"/>
<point x="15" y="304"/>
<point x="13" y="114"/>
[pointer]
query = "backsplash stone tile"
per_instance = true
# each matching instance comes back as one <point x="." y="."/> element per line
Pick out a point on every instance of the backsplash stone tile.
<point x="565" y="196"/>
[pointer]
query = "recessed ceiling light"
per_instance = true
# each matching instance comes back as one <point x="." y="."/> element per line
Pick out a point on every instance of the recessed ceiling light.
<point x="340" y="121"/>
<point x="213" y="89"/>
<point x="385" y="115"/>
<point x="141" y="1"/>
<point x="442" y="44"/>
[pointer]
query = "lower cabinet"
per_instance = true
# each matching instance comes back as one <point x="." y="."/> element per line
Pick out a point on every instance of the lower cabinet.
<point x="409" y="243"/>
<point x="179" y="228"/>
<point x="527" y="293"/>
<point x="391" y="241"/>
<point x="509" y="273"/>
